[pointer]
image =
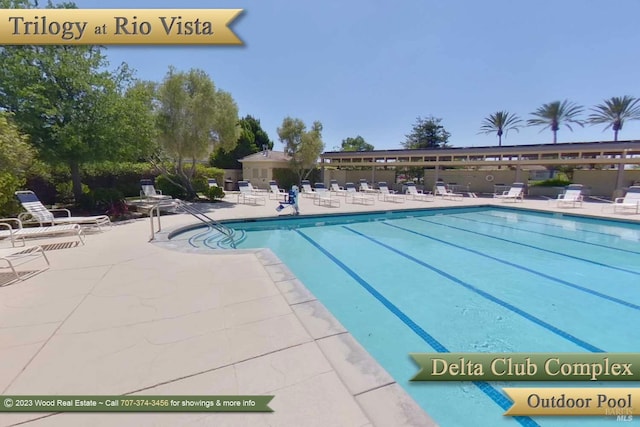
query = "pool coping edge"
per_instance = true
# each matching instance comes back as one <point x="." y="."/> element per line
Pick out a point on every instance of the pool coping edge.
<point x="300" y="295"/>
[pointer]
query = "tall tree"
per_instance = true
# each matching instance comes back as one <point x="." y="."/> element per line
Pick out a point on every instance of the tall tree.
<point x="194" y="118"/>
<point x="555" y="114"/>
<point x="500" y="123"/>
<point x="251" y="140"/>
<point x="302" y="145"/>
<point x="355" y="144"/>
<point x="427" y="133"/>
<point x="614" y="112"/>
<point x="75" y="110"/>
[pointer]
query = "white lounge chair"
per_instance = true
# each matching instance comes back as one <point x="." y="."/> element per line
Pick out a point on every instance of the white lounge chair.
<point x="276" y="192"/>
<point x="323" y="196"/>
<point x="630" y="202"/>
<point x="364" y="187"/>
<point x="357" y="197"/>
<point x="388" y="195"/>
<point x="572" y="196"/>
<point x="256" y="190"/>
<point x="307" y="191"/>
<point x="12" y="228"/>
<point x="412" y="192"/>
<point x="319" y="188"/>
<point x="336" y="189"/>
<point x="246" y="195"/>
<point x="12" y="258"/>
<point x="442" y="191"/>
<point x="148" y="191"/>
<point x="212" y="182"/>
<point x="38" y="213"/>
<point x="515" y="193"/>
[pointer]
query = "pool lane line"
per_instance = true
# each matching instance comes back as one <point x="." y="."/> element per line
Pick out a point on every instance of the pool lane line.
<point x="585" y="345"/>
<point x="613" y="248"/>
<point x="495" y="395"/>
<point x="520" y="219"/>
<point x="601" y="264"/>
<point x="521" y="267"/>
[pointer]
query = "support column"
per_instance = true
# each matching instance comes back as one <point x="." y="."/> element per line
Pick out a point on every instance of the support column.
<point x="518" y="172"/>
<point x="619" y="191"/>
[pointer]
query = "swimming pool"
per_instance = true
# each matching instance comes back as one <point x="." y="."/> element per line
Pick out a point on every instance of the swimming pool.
<point x="465" y="280"/>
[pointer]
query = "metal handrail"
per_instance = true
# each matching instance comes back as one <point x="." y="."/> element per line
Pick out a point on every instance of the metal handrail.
<point x="201" y="216"/>
<point x="210" y="222"/>
<point x="153" y="230"/>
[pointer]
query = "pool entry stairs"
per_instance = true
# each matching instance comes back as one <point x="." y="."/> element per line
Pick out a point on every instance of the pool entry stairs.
<point x="225" y="238"/>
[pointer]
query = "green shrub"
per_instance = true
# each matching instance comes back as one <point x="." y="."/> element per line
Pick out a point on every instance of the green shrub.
<point x="9" y="183"/>
<point x="203" y="173"/>
<point x="123" y="176"/>
<point x="105" y="197"/>
<point x="16" y="157"/>
<point x="199" y="182"/>
<point x="64" y="192"/>
<point x="555" y="182"/>
<point x="286" y="177"/>
<point x="110" y="201"/>
<point x="52" y="182"/>
<point x="214" y="193"/>
<point x="164" y="184"/>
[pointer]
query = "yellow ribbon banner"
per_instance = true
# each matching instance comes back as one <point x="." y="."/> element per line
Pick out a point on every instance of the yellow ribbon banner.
<point x="618" y="402"/>
<point x="118" y="26"/>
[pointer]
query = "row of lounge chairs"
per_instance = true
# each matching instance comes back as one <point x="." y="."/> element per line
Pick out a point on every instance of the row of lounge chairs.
<point x="365" y="194"/>
<point x="39" y="222"/>
<point x="572" y="197"/>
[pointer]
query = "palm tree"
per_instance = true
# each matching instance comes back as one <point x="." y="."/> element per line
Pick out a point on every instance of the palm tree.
<point x="500" y="123"/>
<point x="554" y="114"/>
<point x="614" y="112"/>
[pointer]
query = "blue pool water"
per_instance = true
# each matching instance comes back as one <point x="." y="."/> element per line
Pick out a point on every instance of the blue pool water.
<point x="466" y="280"/>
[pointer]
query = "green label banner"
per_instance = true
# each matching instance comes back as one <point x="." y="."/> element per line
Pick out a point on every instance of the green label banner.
<point x="137" y="403"/>
<point x="527" y="366"/>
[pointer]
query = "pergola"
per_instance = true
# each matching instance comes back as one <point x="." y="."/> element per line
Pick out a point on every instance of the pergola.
<point x="618" y="153"/>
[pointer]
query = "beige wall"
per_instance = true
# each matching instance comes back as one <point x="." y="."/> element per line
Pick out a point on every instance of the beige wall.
<point x="260" y="173"/>
<point x="596" y="182"/>
<point x="603" y="182"/>
<point x="477" y="180"/>
<point x="481" y="181"/>
<point x="344" y="176"/>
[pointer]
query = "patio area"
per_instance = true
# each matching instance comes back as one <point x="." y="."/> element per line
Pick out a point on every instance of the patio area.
<point x="122" y="315"/>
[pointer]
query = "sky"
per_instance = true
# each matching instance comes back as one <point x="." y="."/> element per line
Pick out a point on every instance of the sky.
<point x="372" y="67"/>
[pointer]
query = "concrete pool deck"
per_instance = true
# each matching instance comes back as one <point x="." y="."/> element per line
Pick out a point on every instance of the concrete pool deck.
<point x="121" y="315"/>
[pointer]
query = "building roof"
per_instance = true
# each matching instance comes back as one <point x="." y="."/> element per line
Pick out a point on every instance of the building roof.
<point x="266" y="156"/>
<point x="575" y="153"/>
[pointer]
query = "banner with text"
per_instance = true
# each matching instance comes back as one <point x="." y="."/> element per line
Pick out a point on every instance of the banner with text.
<point x="597" y="401"/>
<point x="527" y="366"/>
<point x="137" y="403"/>
<point x="118" y="26"/>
